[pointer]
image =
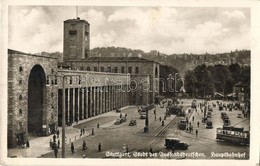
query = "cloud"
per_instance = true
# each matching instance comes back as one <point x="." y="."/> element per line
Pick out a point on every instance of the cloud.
<point x="166" y="29"/>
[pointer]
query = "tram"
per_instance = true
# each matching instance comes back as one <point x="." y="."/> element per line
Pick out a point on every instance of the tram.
<point x="182" y="123"/>
<point x="233" y="134"/>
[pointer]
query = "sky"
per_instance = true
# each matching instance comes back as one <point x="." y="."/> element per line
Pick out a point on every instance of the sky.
<point x="33" y="29"/>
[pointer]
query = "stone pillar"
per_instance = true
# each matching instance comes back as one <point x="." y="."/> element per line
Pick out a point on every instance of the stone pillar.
<point x="68" y="108"/>
<point x="111" y="98"/>
<point x="91" y="102"/>
<point x="102" y="100"/>
<point x="78" y="103"/>
<point x="106" y="99"/>
<point x="94" y="101"/>
<point x="82" y="90"/>
<point x="85" y="102"/>
<point x="73" y="105"/>
<point x="98" y="100"/>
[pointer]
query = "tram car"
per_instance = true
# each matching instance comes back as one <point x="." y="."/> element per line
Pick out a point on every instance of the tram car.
<point x="193" y="104"/>
<point x="182" y="124"/>
<point x="233" y="135"/>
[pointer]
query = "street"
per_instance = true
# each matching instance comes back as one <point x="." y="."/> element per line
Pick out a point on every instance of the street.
<point x="114" y="139"/>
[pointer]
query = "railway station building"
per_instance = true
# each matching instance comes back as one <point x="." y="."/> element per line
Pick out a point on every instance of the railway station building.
<point x="93" y="85"/>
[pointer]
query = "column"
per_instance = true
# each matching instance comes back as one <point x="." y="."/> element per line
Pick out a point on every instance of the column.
<point x="90" y="102"/>
<point x="103" y="99"/>
<point x="112" y="97"/>
<point x="106" y="99"/>
<point x="78" y="103"/>
<point x="94" y="101"/>
<point x="68" y="107"/>
<point x="98" y="100"/>
<point x="73" y="105"/>
<point x="82" y="102"/>
<point x="85" y="103"/>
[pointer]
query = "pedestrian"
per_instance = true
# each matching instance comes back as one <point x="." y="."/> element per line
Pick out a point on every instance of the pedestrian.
<point x="198" y="123"/>
<point x="27" y="144"/>
<point x="58" y="133"/>
<point x="196" y="133"/>
<point x="160" y="119"/>
<point x="58" y="143"/>
<point x="151" y="150"/>
<point x="54" y="137"/>
<point x="125" y="115"/>
<point x="98" y="125"/>
<point x="120" y="115"/>
<point x="84" y="145"/>
<point x="50" y="143"/>
<point x="72" y="147"/>
<point x="83" y="131"/>
<point x="192" y="118"/>
<point x="56" y="152"/>
<point x="99" y="147"/>
<point x="127" y="149"/>
<point x="187" y="129"/>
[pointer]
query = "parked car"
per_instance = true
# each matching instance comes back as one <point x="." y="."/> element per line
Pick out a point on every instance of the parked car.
<point x="175" y="143"/>
<point x="132" y="122"/>
<point x="118" y="122"/>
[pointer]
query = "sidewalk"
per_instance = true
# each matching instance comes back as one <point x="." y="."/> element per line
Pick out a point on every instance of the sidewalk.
<point x="40" y="145"/>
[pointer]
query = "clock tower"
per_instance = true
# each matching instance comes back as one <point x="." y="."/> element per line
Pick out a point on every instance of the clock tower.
<point x="76" y="42"/>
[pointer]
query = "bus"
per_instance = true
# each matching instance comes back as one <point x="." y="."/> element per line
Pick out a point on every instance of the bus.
<point x="234" y="135"/>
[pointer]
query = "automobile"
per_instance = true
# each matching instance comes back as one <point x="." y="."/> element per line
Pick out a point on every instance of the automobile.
<point x="132" y="122"/>
<point x="209" y="124"/>
<point x="226" y="122"/>
<point x="175" y="143"/>
<point x="209" y="115"/>
<point x="118" y="122"/>
<point x="239" y="115"/>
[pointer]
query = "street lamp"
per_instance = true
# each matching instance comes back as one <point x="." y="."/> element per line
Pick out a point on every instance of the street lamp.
<point x="63" y="105"/>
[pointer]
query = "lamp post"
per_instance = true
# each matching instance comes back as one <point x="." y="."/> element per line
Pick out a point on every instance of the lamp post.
<point x="63" y="107"/>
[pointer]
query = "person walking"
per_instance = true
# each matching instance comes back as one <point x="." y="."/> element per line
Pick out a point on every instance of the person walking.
<point x="196" y="133"/>
<point x="58" y="143"/>
<point x="99" y="147"/>
<point x="56" y="152"/>
<point x="151" y="150"/>
<point x="192" y="118"/>
<point x="72" y="148"/>
<point x="58" y="133"/>
<point x="127" y="149"/>
<point x="54" y="137"/>
<point x="198" y="123"/>
<point x="84" y="145"/>
<point x="27" y="144"/>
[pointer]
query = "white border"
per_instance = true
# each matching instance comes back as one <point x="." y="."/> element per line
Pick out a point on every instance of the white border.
<point x="255" y="81"/>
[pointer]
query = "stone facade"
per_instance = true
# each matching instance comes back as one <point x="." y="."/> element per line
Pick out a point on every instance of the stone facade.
<point x="76" y="39"/>
<point x="19" y="69"/>
<point x="139" y="67"/>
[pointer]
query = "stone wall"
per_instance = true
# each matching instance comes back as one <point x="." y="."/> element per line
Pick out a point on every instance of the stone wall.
<point x="19" y="68"/>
